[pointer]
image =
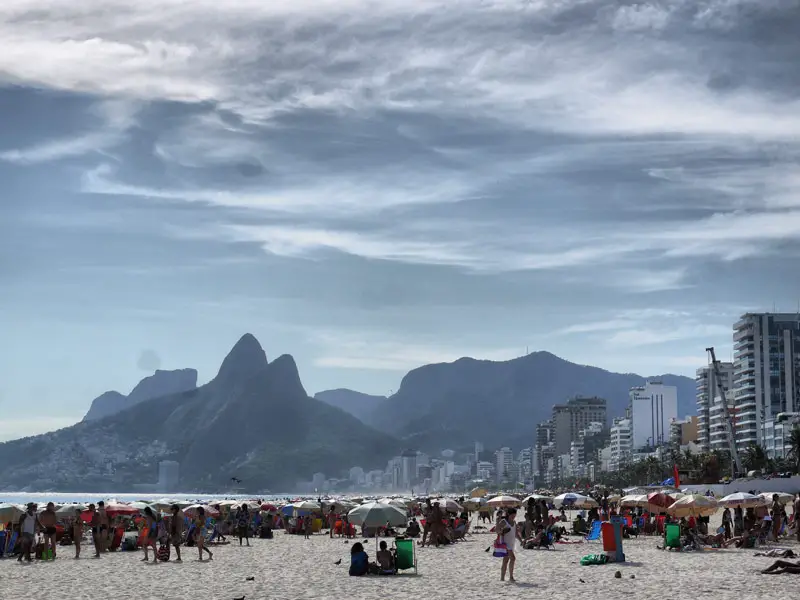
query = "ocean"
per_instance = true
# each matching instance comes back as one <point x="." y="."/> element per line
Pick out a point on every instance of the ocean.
<point x="85" y="498"/>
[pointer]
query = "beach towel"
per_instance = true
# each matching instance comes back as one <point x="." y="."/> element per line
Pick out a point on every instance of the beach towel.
<point x="594" y="559"/>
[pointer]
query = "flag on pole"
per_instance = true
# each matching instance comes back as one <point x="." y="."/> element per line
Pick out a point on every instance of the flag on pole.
<point x="675" y="475"/>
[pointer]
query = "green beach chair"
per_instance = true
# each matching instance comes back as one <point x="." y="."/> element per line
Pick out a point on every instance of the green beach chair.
<point x="672" y="536"/>
<point x="405" y="555"/>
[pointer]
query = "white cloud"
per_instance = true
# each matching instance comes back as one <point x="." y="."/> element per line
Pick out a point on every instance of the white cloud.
<point x="373" y="351"/>
<point x="117" y="117"/>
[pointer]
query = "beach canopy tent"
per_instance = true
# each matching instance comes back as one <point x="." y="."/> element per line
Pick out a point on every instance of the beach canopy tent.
<point x="10" y="513"/>
<point x="783" y="497"/>
<point x="572" y="500"/>
<point x="742" y="499"/>
<point x="376" y="514"/>
<point x="693" y="505"/>
<point x="504" y="501"/>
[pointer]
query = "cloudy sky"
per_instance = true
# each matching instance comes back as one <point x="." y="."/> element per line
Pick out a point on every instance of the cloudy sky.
<point x="375" y="185"/>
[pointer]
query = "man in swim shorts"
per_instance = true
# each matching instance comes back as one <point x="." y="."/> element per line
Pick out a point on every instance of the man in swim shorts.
<point x="48" y="522"/>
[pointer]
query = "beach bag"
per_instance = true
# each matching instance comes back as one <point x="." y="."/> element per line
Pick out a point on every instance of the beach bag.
<point x="163" y="553"/>
<point x="500" y="549"/>
<point x="594" y="559"/>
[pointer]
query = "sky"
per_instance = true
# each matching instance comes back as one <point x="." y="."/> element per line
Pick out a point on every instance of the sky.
<point x="372" y="186"/>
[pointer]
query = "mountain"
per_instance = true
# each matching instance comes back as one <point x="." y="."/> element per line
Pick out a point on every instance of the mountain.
<point x="253" y="421"/>
<point x="361" y="406"/>
<point x="160" y="383"/>
<point x="500" y="403"/>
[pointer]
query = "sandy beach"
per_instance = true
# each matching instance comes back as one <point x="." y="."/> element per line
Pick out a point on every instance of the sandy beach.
<point x="291" y="567"/>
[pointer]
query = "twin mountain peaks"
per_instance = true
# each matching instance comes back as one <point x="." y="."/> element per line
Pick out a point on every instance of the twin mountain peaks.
<point x="255" y="421"/>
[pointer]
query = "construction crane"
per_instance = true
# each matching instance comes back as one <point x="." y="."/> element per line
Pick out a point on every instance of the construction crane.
<point x="737" y="463"/>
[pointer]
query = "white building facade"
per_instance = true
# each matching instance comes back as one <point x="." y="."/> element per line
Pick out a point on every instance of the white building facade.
<point x="707" y="391"/>
<point x="653" y="407"/>
<point x="621" y="443"/>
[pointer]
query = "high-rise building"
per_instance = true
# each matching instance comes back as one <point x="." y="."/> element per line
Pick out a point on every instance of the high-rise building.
<point x="570" y="418"/>
<point x="168" y="475"/>
<point x="408" y="469"/>
<point x="767" y="372"/>
<point x="653" y="406"/>
<point x="707" y="391"/>
<point x="544" y="437"/>
<point x="503" y="460"/>
<point x="621" y="443"/>
<point x="717" y="430"/>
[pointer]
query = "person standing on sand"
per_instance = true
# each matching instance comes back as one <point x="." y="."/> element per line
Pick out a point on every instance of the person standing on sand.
<point x="176" y="530"/>
<point x="199" y="537"/>
<point x="102" y="528"/>
<point x="507" y="532"/>
<point x="308" y="526"/>
<point x="48" y="522"/>
<point x="77" y="533"/>
<point x="331" y="521"/>
<point x="94" y="522"/>
<point x="243" y="524"/>
<point x="28" y="524"/>
<point x="426" y="512"/>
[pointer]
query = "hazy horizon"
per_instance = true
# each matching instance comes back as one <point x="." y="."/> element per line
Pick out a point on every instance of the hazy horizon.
<point x="371" y="187"/>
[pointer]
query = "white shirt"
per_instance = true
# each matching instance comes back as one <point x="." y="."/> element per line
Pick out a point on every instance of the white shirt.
<point x="510" y="538"/>
<point x="29" y="524"/>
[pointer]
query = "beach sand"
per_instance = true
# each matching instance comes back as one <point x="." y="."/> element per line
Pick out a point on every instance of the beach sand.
<point x="291" y="567"/>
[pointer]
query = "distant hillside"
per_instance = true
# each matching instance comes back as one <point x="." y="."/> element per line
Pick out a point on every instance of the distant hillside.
<point x="455" y="404"/>
<point x="253" y="421"/>
<point x="160" y="383"/>
<point x="361" y="406"/>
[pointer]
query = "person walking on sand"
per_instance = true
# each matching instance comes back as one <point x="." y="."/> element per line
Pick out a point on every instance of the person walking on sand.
<point x="507" y="533"/>
<point x="176" y="530"/>
<point x="199" y="534"/>
<point x="77" y="533"/>
<point x="48" y="522"/>
<point x="151" y="523"/>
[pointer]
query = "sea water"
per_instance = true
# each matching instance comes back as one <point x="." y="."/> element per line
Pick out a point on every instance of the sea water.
<point x="86" y="498"/>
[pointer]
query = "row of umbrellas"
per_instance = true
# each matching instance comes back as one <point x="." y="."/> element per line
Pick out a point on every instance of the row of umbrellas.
<point x="698" y="505"/>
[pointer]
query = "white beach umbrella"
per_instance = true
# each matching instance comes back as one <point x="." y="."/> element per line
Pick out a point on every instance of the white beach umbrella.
<point x="572" y="500"/>
<point x="504" y="501"/>
<point x="742" y="499"/>
<point x="68" y="510"/>
<point x="538" y="498"/>
<point x="377" y="514"/>
<point x="140" y="506"/>
<point x="783" y="497"/>
<point x="693" y="505"/>
<point x="448" y="504"/>
<point x="306" y="506"/>
<point x="633" y="500"/>
<point x="399" y="503"/>
<point x="10" y="513"/>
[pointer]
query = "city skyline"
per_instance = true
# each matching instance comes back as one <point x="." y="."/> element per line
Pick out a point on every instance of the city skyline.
<point x="614" y="183"/>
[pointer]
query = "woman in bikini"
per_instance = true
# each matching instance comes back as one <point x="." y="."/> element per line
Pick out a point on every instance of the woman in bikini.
<point x="199" y="530"/>
<point x="152" y="534"/>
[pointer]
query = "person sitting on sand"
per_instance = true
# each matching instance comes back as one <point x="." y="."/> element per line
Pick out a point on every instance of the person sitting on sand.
<point x="413" y="528"/>
<point x="782" y="566"/>
<point x="385" y="559"/>
<point x="359" y="561"/>
<point x="748" y="540"/>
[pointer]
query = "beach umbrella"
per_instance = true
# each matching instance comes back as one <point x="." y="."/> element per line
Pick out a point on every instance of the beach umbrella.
<point x="742" y="499"/>
<point x="614" y="498"/>
<point x="114" y="509"/>
<point x="305" y="506"/>
<point x="572" y="500"/>
<point x="376" y="514"/>
<point x="504" y="501"/>
<point x="538" y="498"/>
<point x="448" y="504"/>
<point x="68" y="510"/>
<point x="783" y="497"/>
<point x="269" y="507"/>
<point x="633" y="500"/>
<point x="478" y="492"/>
<point x="693" y="505"/>
<point x="10" y="513"/>
<point x="658" y="500"/>
<point x="396" y="502"/>
<point x="140" y="506"/>
<point x="191" y="510"/>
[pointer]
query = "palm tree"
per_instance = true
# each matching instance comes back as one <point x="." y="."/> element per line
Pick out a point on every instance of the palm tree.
<point x="794" y="448"/>
<point x="754" y="458"/>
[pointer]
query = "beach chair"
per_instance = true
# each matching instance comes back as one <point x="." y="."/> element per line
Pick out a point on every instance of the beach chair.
<point x="10" y="543"/>
<point x="405" y="555"/>
<point x="672" y="536"/>
<point x="594" y="532"/>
